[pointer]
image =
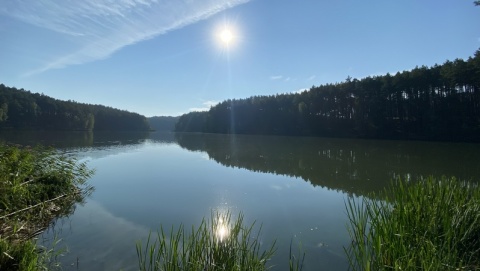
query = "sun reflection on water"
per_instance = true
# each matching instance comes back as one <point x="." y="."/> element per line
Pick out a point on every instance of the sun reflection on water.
<point x="221" y="227"/>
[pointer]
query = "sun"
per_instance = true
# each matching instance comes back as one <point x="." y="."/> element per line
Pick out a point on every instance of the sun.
<point x="226" y="36"/>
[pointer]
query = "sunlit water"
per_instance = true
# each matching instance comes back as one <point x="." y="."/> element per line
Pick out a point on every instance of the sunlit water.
<point x="294" y="187"/>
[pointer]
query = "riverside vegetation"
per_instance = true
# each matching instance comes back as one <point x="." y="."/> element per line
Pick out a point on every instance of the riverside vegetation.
<point x="37" y="185"/>
<point x="432" y="224"/>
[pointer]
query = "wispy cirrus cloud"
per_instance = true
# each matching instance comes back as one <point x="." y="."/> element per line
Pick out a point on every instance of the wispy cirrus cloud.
<point x="276" y="77"/>
<point x="99" y="28"/>
<point x="206" y="106"/>
<point x="282" y="78"/>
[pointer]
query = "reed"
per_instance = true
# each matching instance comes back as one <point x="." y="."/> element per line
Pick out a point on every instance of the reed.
<point x="37" y="185"/>
<point x="18" y="256"/>
<point x="295" y="263"/>
<point x="218" y="244"/>
<point x="431" y="224"/>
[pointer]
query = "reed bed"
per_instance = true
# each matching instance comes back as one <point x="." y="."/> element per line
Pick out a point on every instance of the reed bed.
<point x="431" y="224"/>
<point x="37" y="185"/>
<point x="218" y="244"/>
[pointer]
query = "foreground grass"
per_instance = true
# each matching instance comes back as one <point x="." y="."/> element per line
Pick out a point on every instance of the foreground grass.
<point x="432" y="224"/>
<point x="214" y="245"/>
<point x="36" y="186"/>
<point x="220" y="244"/>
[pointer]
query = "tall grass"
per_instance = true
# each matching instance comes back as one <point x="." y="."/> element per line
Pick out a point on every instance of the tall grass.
<point x="218" y="244"/>
<point x="18" y="256"/>
<point x="36" y="186"/>
<point x="432" y="224"/>
<point x="295" y="263"/>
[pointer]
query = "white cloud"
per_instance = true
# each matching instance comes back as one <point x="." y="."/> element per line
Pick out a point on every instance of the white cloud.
<point x="301" y="90"/>
<point x="101" y="27"/>
<point x="281" y="77"/>
<point x="311" y="78"/>
<point x="276" y="77"/>
<point x="206" y="107"/>
<point x="276" y="187"/>
<point x="210" y="103"/>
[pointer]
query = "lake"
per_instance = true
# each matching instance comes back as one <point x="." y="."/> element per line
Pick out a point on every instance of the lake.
<point x="295" y="187"/>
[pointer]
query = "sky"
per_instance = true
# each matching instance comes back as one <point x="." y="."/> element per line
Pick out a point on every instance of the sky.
<point x="167" y="57"/>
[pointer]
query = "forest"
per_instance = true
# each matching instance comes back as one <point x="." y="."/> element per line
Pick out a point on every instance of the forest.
<point x="21" y="109"/>
<point x="441" y="102"/>
<point x="163" y="123"/>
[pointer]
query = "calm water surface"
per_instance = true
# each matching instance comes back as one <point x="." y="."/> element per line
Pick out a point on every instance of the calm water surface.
<point x="294" y="187"/>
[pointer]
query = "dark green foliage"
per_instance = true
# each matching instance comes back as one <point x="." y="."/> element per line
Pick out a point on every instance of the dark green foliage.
<point x="21" y="109"/>
<point x="36" y="186"/>
<point x="163" y="123"/>
<point x="437" y="103"/>
<point x="18" y="256"/>
<point x="433" y="224"/>
<point x="192" y="122"/>
<point x="32" y="175"/>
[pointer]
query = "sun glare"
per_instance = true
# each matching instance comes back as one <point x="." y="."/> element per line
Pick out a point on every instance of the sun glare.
<point x="226" y="36"/>
<point x="221" y="230"/>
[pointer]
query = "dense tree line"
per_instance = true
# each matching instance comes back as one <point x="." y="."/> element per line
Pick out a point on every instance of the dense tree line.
<point x="192" y="122"/>
<point x="21" y="109"/>
<point x="441" y="102"/>
<point x="163" y="123"/>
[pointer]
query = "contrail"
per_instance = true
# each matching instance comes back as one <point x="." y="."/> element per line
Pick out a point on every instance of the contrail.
<point x="99" y="28"/>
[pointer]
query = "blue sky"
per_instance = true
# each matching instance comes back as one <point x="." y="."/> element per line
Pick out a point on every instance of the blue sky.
<point x="165" y="57"/>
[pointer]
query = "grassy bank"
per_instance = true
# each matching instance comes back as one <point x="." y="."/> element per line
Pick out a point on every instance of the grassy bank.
<point x="37" y="185"/>
<point x="432" y="224"/>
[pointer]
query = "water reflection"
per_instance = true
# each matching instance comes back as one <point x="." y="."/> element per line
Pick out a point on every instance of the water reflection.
<point x="221" y="229"/>
<point x="96" y="239"/>
<point x="146" y="181"/>
<point x="156" y="183"/>
<point x="352" y="166"/>
<point x="72" y="140"/>
<point x="87" y="144"/>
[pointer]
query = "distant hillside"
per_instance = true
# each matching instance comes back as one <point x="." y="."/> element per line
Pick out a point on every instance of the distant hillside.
<point x="21" y="109"/>
<point x="163" y="123"/>
<point x="441" y="102"/>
